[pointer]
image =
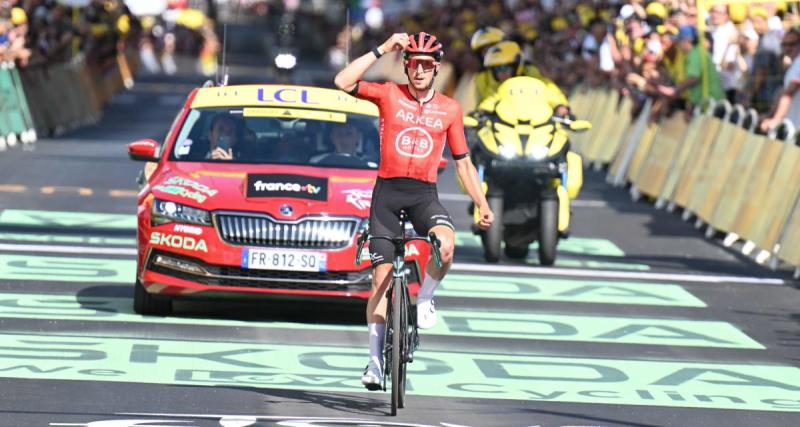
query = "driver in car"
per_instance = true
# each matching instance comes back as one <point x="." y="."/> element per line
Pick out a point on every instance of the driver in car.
<point x="345" y="139"/>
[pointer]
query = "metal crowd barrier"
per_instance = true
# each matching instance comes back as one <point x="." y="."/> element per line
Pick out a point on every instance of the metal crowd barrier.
<point x="731" y="180"/>
<point x="52" y="99"/>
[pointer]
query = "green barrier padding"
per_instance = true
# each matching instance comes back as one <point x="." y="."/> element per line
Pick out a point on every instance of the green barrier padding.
<point x="30" y="135"/>
<point x="13" y="123"/>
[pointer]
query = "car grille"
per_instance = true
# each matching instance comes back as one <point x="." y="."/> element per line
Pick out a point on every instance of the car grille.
<point x="266" y="279"/>
<point x="310" y="232"/>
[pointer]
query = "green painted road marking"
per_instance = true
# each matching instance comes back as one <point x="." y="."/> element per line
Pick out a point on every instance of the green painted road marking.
<point x="64" y="269"/>
<point x="600" y="265"/>
<point x="620" y="330"/>
<point x="568" y="249"/>
<point x="455" y="375"/>
<point x="608" y="329"/>
<point x="549" y="289"/>
<point x="74" y="239"/>
<point x="67" y="219"/>
<point x="575" y="245"/>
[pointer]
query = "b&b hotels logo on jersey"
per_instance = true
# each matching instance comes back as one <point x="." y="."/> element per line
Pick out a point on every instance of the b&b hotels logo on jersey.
<point x="414" y="142"/>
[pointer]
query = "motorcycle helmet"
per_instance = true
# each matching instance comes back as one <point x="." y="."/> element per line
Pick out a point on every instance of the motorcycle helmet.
<point x="485" y="37"/>
<point x="423" y="44"/>
<point x="504" y="54"/>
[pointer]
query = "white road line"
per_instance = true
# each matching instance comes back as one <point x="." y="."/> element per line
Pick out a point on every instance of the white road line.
<point x="464" y="267"/>
<point x="606" y="274"/>
<point x="354" y="421"/>
<point x="94" y="250"/>
<point x="455" y="197"/>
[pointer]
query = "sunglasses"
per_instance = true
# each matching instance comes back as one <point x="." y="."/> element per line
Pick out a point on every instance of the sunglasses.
<point x="427" y="64"/>
<point x="790" y="43"/>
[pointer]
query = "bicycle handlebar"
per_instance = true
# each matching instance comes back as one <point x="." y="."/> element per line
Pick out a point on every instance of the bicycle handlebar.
<point x="431" y="239"/>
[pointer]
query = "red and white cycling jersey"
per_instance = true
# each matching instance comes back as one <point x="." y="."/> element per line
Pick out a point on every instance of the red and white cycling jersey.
<point x="413" y="134"/>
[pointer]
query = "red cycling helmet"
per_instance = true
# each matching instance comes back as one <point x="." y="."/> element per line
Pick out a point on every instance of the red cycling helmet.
<point x="423" y="44"/>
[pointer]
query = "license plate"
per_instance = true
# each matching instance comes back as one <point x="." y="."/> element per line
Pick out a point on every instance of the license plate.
<point x="281" y="259"/>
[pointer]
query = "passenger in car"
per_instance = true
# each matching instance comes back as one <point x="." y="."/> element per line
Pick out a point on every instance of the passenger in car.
<point x="222" y="142"/>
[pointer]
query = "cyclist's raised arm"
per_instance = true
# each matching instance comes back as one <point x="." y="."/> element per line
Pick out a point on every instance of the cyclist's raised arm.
<point x="347" y="79"/>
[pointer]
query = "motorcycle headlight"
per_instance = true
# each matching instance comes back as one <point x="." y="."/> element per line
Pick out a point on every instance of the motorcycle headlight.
<point x="507" y="151"/>
<point x="539" y="152"/>
<point x="165" y="212"/>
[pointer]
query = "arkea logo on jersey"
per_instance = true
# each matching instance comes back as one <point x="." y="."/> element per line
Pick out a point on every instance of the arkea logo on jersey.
<point x="414" y="142"/>
<point x="409" y="117"/>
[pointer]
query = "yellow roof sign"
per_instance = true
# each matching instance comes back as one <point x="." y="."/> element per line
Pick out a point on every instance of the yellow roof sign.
<point x="295" y="113"/>
<point x="282" y="96"/>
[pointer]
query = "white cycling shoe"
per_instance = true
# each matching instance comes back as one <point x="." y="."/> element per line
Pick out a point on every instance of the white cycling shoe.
<point x="426" y="314"/>
<point x="373" y="376"/>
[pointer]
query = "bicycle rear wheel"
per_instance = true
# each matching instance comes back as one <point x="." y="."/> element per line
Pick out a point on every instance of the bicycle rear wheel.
<point x="398" y="332"/>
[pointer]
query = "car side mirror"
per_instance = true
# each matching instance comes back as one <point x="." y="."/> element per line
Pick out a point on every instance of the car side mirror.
<point x="143" y="150"/>
<point x="580" y="125"/>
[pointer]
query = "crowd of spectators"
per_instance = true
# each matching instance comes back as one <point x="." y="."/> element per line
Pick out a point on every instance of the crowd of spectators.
<point x="646" y="49"/>
<point x="36" y="32"/>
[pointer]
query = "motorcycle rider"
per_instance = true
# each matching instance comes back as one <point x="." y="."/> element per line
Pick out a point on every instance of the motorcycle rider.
<point x="504" y="60"/>
<point x="480" y="42"/>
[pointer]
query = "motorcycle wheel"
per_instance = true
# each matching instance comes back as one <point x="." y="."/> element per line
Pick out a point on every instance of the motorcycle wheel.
<point x="517" y="252"/>
<point x="493" y="237"/>
<point x="548" y="231"/>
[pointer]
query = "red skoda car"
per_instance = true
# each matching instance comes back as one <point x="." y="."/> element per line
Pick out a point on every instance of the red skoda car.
<point x="259" y="190"/>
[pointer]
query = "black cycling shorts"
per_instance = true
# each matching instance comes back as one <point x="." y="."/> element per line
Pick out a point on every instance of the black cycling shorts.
<point x="419" y="199"/>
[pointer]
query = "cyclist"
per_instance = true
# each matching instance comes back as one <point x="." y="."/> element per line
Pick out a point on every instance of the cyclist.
<point x="504" y="60"/>
<point x="415" y="122"/>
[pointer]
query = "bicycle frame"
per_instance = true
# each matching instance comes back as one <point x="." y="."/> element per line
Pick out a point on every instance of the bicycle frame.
<point x="408" y="341"/>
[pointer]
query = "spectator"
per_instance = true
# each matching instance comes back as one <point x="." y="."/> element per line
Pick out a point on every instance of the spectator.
<point x="725" y="50"/>
<point x="699" y="73"/>
<point x="788" y="106"/>
<point x="764" y="82"/>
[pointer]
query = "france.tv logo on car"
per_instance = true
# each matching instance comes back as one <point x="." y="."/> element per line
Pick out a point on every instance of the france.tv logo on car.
<point x="282" y="185"/>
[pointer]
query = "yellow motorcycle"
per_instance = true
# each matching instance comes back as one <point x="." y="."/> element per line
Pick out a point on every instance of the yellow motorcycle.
<point x="522" y="153"/>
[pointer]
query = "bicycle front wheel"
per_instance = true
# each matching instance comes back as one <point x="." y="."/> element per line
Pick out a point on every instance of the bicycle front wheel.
<point x="398" y="332"/>
<point x="404" y="344"/>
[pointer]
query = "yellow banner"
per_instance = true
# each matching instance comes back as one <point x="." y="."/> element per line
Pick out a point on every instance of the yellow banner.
<point x="305" y="97"/>
<point x="295" y="113"/>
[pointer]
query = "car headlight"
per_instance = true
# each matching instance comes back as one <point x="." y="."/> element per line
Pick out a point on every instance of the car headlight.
<point x="507" y="151"/>
<point x="165" y="212"/>
<point x="539" y="152"/>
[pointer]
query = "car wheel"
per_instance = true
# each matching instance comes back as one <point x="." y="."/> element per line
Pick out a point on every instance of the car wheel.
<point x="145" y="303"/>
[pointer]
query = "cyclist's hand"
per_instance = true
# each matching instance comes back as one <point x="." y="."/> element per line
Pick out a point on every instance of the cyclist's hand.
<point x="398" y="41"/>
<point x="486" y="217"/>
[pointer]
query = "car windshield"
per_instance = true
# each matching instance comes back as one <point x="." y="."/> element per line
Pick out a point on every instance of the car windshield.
<point x="279" y="136"/>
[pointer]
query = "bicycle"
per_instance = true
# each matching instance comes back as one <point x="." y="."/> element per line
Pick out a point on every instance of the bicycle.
<point x="401" y="338"/>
